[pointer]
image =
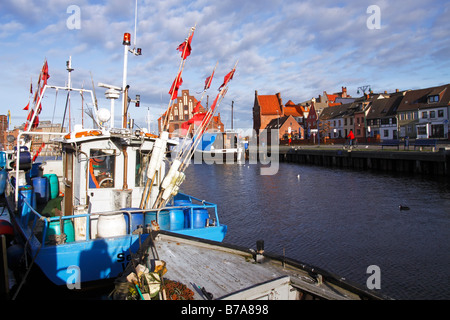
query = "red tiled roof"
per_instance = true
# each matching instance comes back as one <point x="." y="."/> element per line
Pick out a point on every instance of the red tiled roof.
<point x="332" y="97"/>
<point x="269" y="104"/>
<point x="295" y="111"/>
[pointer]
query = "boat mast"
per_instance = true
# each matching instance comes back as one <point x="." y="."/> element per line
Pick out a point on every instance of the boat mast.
<point x="136" y="52"/>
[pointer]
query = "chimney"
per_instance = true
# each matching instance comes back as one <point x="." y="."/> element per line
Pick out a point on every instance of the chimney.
<point x="396" y="90"/>
<point x="344" y="92"/>
<point x="280" y="102"/>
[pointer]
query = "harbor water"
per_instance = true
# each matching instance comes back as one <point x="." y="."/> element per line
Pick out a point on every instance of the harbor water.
<point x="340" y="220"/>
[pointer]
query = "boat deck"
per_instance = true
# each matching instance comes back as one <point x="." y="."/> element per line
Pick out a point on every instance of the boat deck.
<point x="231" y="273"/>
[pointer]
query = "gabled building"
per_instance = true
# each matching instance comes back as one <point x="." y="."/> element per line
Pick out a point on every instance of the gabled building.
<point x="424" y="113"/>
<point x="382" y="117"/>
<point x="265" y="109"/>
<point x="287" y="125"/>
<point x="331" y="121"/>
<point x="182" y="111"/>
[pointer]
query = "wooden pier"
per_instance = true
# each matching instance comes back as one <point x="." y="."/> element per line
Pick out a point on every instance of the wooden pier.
<point x="430" y="163"/>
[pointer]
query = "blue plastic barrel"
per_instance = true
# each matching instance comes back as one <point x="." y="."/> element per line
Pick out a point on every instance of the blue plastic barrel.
<point x="54" y="227"/>
<point x="187" y="211"/>
<point x="2" y="159"/>
<point x="3" y="179"/>
<point x="137" y="218"/>
<point x="182" y="202"/>
<point x="176" y="219"/>
<point x="41" y="186"/>
<point x="34" y="172"/>
<point x="53" y="185"/>
<point x="163" y="221"/>
<point x="200" y="217"/>
<point x="25" y="193"/>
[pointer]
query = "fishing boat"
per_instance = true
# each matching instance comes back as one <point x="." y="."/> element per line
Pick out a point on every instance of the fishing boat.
<point x="176" y="267"/>
<point x="114" y="188"/>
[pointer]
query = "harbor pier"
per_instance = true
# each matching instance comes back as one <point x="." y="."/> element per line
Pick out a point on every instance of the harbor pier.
<point x="420" y="162"/>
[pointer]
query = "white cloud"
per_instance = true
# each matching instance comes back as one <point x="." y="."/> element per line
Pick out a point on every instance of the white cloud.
<point x="297" y="48"/>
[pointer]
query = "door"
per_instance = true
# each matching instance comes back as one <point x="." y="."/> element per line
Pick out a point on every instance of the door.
<point x="68" y="181"/>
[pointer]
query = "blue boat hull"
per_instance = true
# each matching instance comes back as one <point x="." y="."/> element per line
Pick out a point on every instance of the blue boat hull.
<point x="73" y="263"/>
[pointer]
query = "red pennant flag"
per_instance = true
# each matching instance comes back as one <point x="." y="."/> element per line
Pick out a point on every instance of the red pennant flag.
<point x="213" y="106"/>
<point x="194" y="120"/>
<point x="26" y="108"/>
<point x="45" y="75"/>
<point x="175" y="86"/>
<point x="185" y="47"/>
<point x="208" y="81"/>
<point x="197" y="107"/>
<point x="227" y="78"/>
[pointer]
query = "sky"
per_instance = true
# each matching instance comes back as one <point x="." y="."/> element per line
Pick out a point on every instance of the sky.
<point x="297" y="48"/>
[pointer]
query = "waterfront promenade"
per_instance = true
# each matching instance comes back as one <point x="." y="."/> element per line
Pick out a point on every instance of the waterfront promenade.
<point x="372" y="157"/>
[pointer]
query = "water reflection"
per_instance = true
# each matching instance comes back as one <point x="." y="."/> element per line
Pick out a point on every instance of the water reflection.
<point x="340" y="220"/>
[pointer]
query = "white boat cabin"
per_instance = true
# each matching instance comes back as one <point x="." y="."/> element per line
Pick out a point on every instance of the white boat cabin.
<point x="106" y="170"/>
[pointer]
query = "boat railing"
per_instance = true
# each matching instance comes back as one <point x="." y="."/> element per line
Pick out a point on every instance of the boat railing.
<point x="17" y="169"/>
<point x="35" y="217"/>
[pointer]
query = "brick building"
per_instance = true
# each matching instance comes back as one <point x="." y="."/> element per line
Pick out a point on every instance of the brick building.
<point x="182" y="111"/>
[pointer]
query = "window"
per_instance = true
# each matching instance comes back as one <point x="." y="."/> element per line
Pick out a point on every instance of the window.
<point x="425" y="114"/>
<point x="101" y="168"/>
<point x="432" y="99"/>
<point x="422" y="130"/>
<point x="432" y="114"/>
<point x="440" y="113"/>
<point x="142" y="160"/>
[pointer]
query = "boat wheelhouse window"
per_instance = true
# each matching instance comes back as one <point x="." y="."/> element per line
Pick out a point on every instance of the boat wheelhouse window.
<point x="101" y="168"/>
<point x="142" y="161"/>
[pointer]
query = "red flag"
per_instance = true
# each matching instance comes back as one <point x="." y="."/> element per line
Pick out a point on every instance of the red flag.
<point x="26" y="108"/>
<point x="208" y="81"/>
<point x="194" y="120"/>
<point x="213" y="106"/>
<point x="197" y="107"/>
<point x="45" y="75"/>
<point x="185" y="47"/>
<point x="175" y="86"/>
<point x="227" y="78"/>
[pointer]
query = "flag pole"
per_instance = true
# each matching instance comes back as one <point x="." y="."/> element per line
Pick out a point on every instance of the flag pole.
<point x="163" y="137"/>
<point x="176" y="176"/>
<point x="180" y="72"/>
<point x="201" y="129"/>
<point x="207" y="86"/>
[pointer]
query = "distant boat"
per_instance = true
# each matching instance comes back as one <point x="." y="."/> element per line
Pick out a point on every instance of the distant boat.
<point x="220" y="147"/>
<point x="403" y="207"/>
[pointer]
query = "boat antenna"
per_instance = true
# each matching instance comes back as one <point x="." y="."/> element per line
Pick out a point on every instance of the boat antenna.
<point x="135" y="25"/>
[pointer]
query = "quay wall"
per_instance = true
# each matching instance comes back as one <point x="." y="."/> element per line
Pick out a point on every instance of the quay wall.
<point x="430" y="163"/>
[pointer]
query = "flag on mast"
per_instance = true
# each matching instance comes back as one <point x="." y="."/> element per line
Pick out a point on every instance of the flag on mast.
<point x="208" y="81"/>
<point x="175" y="86"/>
<point x="227" y="78"/>
<point x="185" y="47"/>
